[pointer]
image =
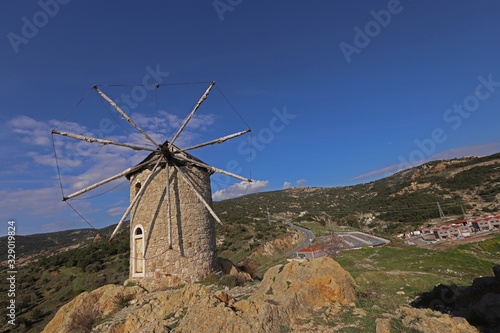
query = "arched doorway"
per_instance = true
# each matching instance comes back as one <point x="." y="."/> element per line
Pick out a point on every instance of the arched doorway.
<point x="138" y="252"/>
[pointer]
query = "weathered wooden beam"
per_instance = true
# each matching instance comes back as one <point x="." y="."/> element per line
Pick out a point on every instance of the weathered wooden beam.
<point x="124" y="115"/>
<point x="211" y="168"/>
<point x="143" y="188"/>
<point x="169" y="216"/>
<point x="104" y="142"/>
<point x="204" y="97"/>
<point x="216" y="141"/>
<point x="186" y="179"/>
<point x="105" y="181"/>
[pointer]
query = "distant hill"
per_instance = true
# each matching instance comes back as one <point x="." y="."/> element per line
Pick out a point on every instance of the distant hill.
<point x="407" y="197"/>
<point x="35" y="246"/>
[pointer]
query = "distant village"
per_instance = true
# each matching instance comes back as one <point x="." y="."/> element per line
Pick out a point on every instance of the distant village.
<point x="454" y="230"/>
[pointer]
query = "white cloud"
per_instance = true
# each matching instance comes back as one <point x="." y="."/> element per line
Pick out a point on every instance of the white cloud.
<point x="301" y="181"/>
<point x="116" y="211"/>
<point x="32" y="131"/>
<point x="42" y="202"/>
<point x="239" y="189"/>
<point x="170" y="123"/>
<point x="286" y="185"/>
<point x="49" y="160"/>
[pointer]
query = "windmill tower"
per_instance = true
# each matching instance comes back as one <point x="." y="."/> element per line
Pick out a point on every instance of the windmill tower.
<point x="172" y="231"/>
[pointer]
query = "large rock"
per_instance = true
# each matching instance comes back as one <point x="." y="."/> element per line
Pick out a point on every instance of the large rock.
<point x="300" y="286"/>
<point x="478" y="303"/>
<point x="98" y="303"/>
<point x="496" y="271"/>
<point x="383" y="325"/>
<point x="230" y="269"/>
<point x="428" y="321"/>
<point x="487" y="311"/>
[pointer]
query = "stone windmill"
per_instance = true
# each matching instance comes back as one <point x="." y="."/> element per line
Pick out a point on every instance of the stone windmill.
<point x="172" y="231"/>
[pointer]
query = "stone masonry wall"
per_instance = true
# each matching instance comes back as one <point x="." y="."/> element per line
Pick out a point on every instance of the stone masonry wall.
<point x="193" y="254"/>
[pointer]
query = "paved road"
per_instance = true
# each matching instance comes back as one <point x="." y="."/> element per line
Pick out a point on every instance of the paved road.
<point x="307" y="242"/>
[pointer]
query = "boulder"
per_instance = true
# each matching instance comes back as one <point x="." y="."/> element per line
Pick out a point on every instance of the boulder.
<point x="228" y="268"/>
<point x="300" y="286"/>
<point x="487" y="311"/>
<point x="428" y="321"/>
<point x="496" y="271"/>
<point x="382" y="325"/>
<point x="98" y="303"/>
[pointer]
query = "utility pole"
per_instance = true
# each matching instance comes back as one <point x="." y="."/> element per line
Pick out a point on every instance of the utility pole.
<point x="441" y="214"/>
<point x="463" y="211"/>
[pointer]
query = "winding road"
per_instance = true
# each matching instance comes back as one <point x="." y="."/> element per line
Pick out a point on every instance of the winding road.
<point x="307" y="242"/>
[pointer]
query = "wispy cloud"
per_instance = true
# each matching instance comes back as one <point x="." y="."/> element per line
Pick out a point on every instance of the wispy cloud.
<point x="116" y="211"/>
<point x="301" y="181"/>
<point x="43" y="202"/>
<point x="384" y="171"/>
<point x="241" y="188"/>
<point x="476" y="150"/>
<point x="286" y="185"/>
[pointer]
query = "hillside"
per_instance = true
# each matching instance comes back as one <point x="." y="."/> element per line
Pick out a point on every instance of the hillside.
<point x="387" y="205"/>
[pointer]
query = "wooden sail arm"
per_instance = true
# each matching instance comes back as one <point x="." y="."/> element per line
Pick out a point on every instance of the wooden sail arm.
<point x="105" y="181"/>
<point x="186" y="179"/>
<point x="169" y="205"/>
<point x="124" y="115"/>
<point x="216" y="141"/>
<point x="104" y="142"/>
<point x="211" y="168"/>
<point x="137" y="196"/>
<point x="204" y="97"/>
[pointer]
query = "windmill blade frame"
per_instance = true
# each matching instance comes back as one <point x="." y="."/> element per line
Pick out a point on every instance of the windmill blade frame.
<point x="197" y="193"/>
<point x="124" y="115"/>
<point x="213" y="142"/>
<point x="213" y="169"/>
<point x="201" y="100"/>
<point x="107" y="180"/>
<point x="103" y="141"/>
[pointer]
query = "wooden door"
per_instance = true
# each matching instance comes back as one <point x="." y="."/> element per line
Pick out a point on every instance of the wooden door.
<point x="139" y="262"/>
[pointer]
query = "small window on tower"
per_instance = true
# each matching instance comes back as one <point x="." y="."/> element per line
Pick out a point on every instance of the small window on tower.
<point x="138" y="231"/>
<point x="137" y="187"/>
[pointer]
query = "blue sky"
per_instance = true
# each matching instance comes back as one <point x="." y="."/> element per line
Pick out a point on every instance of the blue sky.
<point x="335" y="93"/>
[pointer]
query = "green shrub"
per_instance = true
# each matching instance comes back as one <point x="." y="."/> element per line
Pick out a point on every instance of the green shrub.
<point x="121" y="301"/>
<point x="229" y="281"/>
<point x="211" y="278"/>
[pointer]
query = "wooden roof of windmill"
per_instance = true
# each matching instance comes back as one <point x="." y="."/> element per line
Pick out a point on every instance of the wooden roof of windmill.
<point x="180" y="158"/>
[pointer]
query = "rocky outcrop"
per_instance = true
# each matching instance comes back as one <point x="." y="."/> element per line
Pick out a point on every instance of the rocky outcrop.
<point x="98" y="303"/>
<point x="300" y="286"/>
<point x="479" y="303"/>
<point x="270" y="248"/>
<point x="286" y="294"/>
<point x="228" y="268"/>
<point x="383" y="325"/>
<point x="428" y="321"/>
